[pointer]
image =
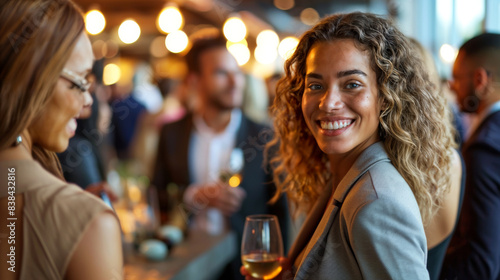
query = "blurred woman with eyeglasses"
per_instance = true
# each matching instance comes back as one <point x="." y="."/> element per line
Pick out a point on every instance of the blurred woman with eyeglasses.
<point x="55" y="230"/>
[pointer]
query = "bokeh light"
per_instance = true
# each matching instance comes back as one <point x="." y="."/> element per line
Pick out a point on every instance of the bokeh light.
<point x="287" y="47"/>
<point x="234" y="181"/>
<point x="176" y="41"/>
<point x="111" y="74"/>
<point x="94" y="22"/>
<point x="268" y="38"/>
<point x="265" y="54"/>
<point x="129" y="31"/>
<point x="448" y="53"/>
<point x="170" y="20"/>
<point x="242" y="42"/>
<point x="240" y="52"/>
<point x="309" y="16"/>
<point x="157" y="47"/>
<point x="235" y="29"/>
<point x="284" y="4"/>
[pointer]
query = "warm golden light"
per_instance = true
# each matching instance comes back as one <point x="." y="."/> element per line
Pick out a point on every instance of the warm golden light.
<point x="170" y="20"/>
<point x="176" y="41"/>
<point x="268" y="38"/>
<point x="309" y="16"/>
<point x="98" y="47"/>
<point x="284" y="4"/>
<point x="157" y="47"/>
<point x="129" y="31"/>
<point x="448" y="53"/>
<point x="234" y="29"/>
<point x="94" y="22"/>
<point x="240" y="52"/>
<point x="111" y="74"/>
<point x="134" y="193"/>
<point x="265" y="54"/>
<point x="242" y="42"/>
<point x="234" y="181"/>
<point x="111" y="49"/>
<point x="263" y="71"/>
<point x="287" y="47"/>
<point x="127" y="221"/>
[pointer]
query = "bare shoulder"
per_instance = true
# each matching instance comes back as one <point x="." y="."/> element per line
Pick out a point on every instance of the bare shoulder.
<point x="456" y="163"/>
<point x="443" y="223"/>
<point x="98" y="255"/>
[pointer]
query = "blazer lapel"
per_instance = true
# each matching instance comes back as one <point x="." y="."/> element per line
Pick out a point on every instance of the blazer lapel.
<point x="181" y="150"/>
<point x="371" y="156"/>
<point x="473" y="137"/>
<point x="242" y="131"/>
<point x="308" y="228"/>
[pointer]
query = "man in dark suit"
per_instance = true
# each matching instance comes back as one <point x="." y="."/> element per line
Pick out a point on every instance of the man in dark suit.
<point x="195" y="151"/>
<point x="474" y="252"/>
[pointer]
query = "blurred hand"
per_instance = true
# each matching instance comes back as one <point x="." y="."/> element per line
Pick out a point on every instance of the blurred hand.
<point x="97" y="188"/>
<point x="285" y="274"/>
<point x="221" y="196"/>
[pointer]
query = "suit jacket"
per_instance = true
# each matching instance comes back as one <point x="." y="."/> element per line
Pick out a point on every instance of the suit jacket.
<point x="371" y="229"/>
<point x="475" y="248"/>
<point x="172" y="167"/>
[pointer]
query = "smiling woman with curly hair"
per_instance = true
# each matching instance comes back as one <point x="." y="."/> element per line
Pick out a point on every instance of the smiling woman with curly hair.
<point x="364" y="146"/>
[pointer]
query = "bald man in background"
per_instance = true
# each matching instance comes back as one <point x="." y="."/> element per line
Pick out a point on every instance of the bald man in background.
<point x="474" y="252"/>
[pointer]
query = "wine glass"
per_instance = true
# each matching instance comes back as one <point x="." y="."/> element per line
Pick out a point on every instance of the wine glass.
<point x="231" y="174"/>
<point x="262" y="246"/>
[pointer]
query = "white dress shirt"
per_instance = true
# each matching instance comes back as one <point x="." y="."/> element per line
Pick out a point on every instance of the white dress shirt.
<point x="209" y="153"/>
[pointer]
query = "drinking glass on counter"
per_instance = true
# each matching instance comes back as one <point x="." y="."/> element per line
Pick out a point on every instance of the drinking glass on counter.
<point x="262" y="246"/>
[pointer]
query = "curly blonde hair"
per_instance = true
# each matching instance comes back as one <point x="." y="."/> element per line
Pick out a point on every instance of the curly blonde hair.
<point x="414" y="124"/>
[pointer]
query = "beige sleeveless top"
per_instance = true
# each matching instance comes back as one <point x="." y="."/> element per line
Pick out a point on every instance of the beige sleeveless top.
<point x="54" y="218"/>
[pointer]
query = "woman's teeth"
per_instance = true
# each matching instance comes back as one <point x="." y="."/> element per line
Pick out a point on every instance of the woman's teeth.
<point x="72" y="124"/>
<point x="334" y="125"/>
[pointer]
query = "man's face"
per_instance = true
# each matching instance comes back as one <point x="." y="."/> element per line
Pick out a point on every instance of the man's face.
<point x="463" y="84"/>
<point x="220" y="81"/>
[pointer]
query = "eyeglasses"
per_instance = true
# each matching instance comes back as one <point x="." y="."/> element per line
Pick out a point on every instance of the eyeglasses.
<point x="82" y="84"/>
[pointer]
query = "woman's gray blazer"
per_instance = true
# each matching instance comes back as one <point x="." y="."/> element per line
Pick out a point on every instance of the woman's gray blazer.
<point x="372" y="229"/>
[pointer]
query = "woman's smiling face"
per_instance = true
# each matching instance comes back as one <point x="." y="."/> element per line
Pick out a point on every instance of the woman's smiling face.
<point x="57" y="122"/>
<point x="341" y="104"/>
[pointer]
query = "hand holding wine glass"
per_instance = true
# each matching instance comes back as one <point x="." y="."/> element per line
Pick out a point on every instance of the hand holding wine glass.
<point x="262" y="246"/>
<point x="231" y="174"/>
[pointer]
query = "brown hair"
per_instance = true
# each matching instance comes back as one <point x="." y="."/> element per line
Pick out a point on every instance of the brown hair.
<point x="199" y="47"/>
<point x="413" y="125"/>
<point x="36" y="40"/>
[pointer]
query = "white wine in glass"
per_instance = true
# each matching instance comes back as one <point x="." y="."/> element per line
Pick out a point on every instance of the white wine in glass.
<point x="262" y="246"/>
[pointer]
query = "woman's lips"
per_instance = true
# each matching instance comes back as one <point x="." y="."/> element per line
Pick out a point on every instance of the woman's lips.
<point x="334" y="128"/>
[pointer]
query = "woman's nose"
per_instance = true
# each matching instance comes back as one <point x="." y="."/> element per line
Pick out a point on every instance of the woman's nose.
<point x="87" y="99"/>
<point x="331" y="100"/>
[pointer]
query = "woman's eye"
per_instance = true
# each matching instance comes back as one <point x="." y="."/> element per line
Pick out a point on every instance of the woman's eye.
<point x="352" y="85"/>
<point x="314" y="87"/>
<point x="73" y="86"/>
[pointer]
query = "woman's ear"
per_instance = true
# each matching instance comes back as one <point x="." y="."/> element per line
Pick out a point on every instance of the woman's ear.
<point x="383" y="104"/>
